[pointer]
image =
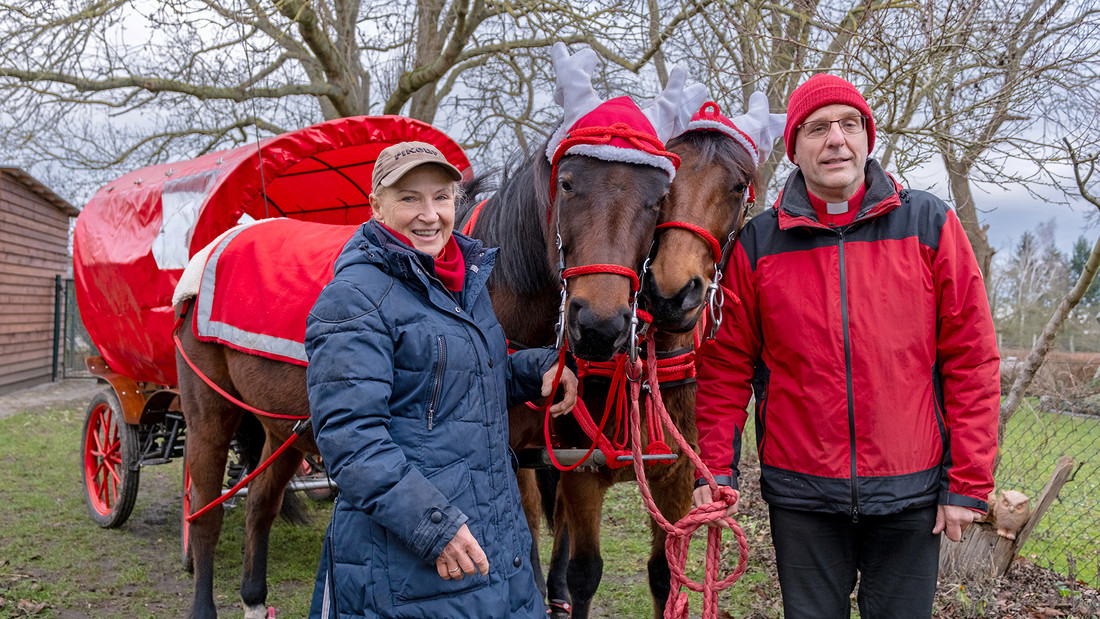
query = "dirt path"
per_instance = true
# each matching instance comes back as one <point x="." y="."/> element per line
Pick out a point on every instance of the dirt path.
<point x="67" y="392"/>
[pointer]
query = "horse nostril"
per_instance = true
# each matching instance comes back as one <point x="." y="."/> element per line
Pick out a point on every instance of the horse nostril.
<point x="692" y="294"/>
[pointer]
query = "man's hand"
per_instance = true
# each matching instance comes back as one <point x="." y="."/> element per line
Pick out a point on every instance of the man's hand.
<point x="702" y="495"/>
<point x="569" y="390"/>
<point x="953" y="520"/>
<point x="463" y="555"/>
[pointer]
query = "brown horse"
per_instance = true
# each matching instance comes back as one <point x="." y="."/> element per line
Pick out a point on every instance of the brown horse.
<point x="709" y="192"/>
<point x="593" y="228"/>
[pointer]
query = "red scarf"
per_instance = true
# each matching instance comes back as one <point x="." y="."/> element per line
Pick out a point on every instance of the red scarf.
<point x="840" y="219"/>
<point x="450" y="267"/>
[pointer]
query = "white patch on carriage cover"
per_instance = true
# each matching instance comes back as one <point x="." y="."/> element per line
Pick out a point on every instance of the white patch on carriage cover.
<point x="181" y="200"/>
<point x="188" y="286"/>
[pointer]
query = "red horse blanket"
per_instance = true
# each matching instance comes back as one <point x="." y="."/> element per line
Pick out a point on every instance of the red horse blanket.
<point x="260" y="282"/>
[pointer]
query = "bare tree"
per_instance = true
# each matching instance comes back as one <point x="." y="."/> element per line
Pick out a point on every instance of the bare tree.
<point x="979" y="89"/>
<point x="115" y="84"/>
<point x="1084" y="169"/>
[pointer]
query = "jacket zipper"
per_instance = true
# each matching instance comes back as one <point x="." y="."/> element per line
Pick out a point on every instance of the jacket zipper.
<point x="848" y="377"/>
<point x="438" y="380"/>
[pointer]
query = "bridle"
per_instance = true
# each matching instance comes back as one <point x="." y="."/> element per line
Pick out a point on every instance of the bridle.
<point x="715" y="297"/>
<point x="599" y="136"/>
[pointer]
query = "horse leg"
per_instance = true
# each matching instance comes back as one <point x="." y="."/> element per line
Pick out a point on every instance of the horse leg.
<point x="582" y="496"/>
<point x="265" y="499"/>
<point x="531" y="499"/>
<point x="556" y="585"/>
<point x="672" y="495"/>
<point x="210" y="427"/>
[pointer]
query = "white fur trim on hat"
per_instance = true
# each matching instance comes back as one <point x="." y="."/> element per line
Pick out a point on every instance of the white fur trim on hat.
<point x="608" y="152"/>
<point x="733" y="133"/>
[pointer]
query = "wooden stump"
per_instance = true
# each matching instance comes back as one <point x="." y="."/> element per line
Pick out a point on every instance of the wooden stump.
<point x="982" y="554"/>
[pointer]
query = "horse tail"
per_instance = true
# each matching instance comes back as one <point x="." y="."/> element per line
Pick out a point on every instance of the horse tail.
<point x="547" y="479"/>
<point x="250" y="439"/>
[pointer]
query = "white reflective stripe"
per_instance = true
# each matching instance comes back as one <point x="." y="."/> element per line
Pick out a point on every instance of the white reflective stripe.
<point x="326" y="603"/>
<point x="180" y="202"/>
<point x="206" y="327"/>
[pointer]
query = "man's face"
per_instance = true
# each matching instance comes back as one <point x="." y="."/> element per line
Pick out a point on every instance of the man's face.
<point x="832" y="165"/>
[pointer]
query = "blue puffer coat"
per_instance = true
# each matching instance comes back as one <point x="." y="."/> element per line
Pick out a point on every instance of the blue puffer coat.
<point x="409" y="395"/>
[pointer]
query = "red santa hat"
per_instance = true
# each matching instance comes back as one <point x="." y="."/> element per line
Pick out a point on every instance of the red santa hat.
<point x="618" y="129"/>
<point x="755" y="130"/>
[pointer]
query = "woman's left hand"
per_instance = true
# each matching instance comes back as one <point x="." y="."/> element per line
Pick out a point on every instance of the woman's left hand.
<point x="569" y="390"/>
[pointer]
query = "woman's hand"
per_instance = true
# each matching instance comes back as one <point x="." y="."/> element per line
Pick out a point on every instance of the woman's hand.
<point x="463" y="555"/>
<point x="569" y="390"/>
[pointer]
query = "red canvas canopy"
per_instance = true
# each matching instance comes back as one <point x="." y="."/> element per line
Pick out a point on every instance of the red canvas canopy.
<point x="134" y="237"/>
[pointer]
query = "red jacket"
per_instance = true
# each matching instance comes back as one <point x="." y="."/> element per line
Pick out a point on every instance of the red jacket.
<point x="871" y="352"/>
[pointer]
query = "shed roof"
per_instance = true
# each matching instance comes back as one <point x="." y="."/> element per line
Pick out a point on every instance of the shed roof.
<point x="41" y="190"/>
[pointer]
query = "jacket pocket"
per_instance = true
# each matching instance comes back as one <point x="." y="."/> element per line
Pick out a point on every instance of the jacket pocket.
<point x="414" y="579"/>
<point x="437" y="378"/>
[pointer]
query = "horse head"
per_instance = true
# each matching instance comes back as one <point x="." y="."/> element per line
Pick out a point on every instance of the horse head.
<point x="706" y="206"/>
<point x="604" y="216"/>
<point x="610" y="175"/>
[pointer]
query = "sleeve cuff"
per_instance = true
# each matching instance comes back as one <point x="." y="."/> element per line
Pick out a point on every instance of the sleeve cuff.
<point x="721" y="480"/>
<point x="950" y="498"/>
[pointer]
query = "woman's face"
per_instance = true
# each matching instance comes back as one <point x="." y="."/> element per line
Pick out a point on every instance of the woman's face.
<point x="420" y="205"/>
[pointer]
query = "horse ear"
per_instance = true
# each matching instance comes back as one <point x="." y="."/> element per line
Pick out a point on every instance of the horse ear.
<point x="572" y="89"/>
<point x="762" y="127"/>
<point x="670" y="111"/>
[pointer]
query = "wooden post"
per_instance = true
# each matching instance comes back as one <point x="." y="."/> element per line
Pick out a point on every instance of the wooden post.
<point x="983" y="554"/>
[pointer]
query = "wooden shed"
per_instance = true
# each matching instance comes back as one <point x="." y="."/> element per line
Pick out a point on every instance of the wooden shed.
<point x="34" y="240"/>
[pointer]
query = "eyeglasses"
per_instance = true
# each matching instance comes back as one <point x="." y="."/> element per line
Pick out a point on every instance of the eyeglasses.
<point x="818" y="129"/>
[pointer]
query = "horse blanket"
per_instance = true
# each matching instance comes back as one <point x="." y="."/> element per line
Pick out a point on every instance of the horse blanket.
<point x="258" y="283"/>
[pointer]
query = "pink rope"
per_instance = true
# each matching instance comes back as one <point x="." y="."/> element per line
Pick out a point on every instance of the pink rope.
<point x="679" y="534"/>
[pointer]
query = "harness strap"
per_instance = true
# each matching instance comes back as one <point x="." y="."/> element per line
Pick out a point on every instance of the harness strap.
<point x="468" y="228"/>
<point x="615" y="269"/>
<point x="298" y="428"/>
<point x="715" y="246"/>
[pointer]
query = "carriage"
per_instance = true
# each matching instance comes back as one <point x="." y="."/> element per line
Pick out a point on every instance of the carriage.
<point x="130" y="246"/>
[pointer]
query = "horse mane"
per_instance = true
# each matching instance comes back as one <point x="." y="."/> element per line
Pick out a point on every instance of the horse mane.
<point x="716" y="147"/>
<point x="514" y="219"/>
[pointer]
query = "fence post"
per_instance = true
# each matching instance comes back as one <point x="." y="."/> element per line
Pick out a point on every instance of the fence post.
<point x="57" y="292"/>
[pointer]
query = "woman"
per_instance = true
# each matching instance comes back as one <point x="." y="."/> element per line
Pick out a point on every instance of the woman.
<point x="409" y="384"/>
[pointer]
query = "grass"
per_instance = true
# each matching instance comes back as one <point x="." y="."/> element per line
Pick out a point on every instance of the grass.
<point x="54" y="561"/>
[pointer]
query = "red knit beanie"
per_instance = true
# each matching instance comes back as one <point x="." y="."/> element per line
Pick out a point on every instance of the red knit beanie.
<point x="814" y="94"/>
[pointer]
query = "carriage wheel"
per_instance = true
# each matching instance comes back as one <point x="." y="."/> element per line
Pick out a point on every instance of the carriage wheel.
<point x="109" y="461"/>
<point x="185" y="527"/>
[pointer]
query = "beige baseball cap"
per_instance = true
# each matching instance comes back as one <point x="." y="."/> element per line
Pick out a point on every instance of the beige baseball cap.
<point x="397" y="160"/>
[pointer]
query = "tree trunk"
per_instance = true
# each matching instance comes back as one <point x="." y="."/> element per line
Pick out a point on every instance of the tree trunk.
<point x="982" y="553"/>
<point x="958" y="176"/>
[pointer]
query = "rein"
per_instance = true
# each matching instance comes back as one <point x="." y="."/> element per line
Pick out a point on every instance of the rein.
<point x="679" y="535"/>
<point x="299" y="427"/>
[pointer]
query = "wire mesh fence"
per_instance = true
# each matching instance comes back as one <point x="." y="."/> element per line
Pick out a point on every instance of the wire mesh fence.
<point x="78" y="344"/>
<point x="1061" y="417"/>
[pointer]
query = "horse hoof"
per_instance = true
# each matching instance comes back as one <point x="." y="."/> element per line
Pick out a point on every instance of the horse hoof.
<point x="559" y="609"/>
<point x="258" y="611"/>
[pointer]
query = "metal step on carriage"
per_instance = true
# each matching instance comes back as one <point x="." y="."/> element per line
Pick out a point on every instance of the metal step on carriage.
<point x="131" y="243"/>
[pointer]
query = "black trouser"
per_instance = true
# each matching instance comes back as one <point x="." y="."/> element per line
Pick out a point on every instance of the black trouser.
<point x="819" y="555"/>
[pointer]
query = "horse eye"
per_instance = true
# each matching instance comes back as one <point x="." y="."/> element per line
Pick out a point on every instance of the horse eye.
<point x="566" y="186"/>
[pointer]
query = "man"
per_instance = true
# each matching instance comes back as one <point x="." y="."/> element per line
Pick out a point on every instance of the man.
<point x="864" y="329"/>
